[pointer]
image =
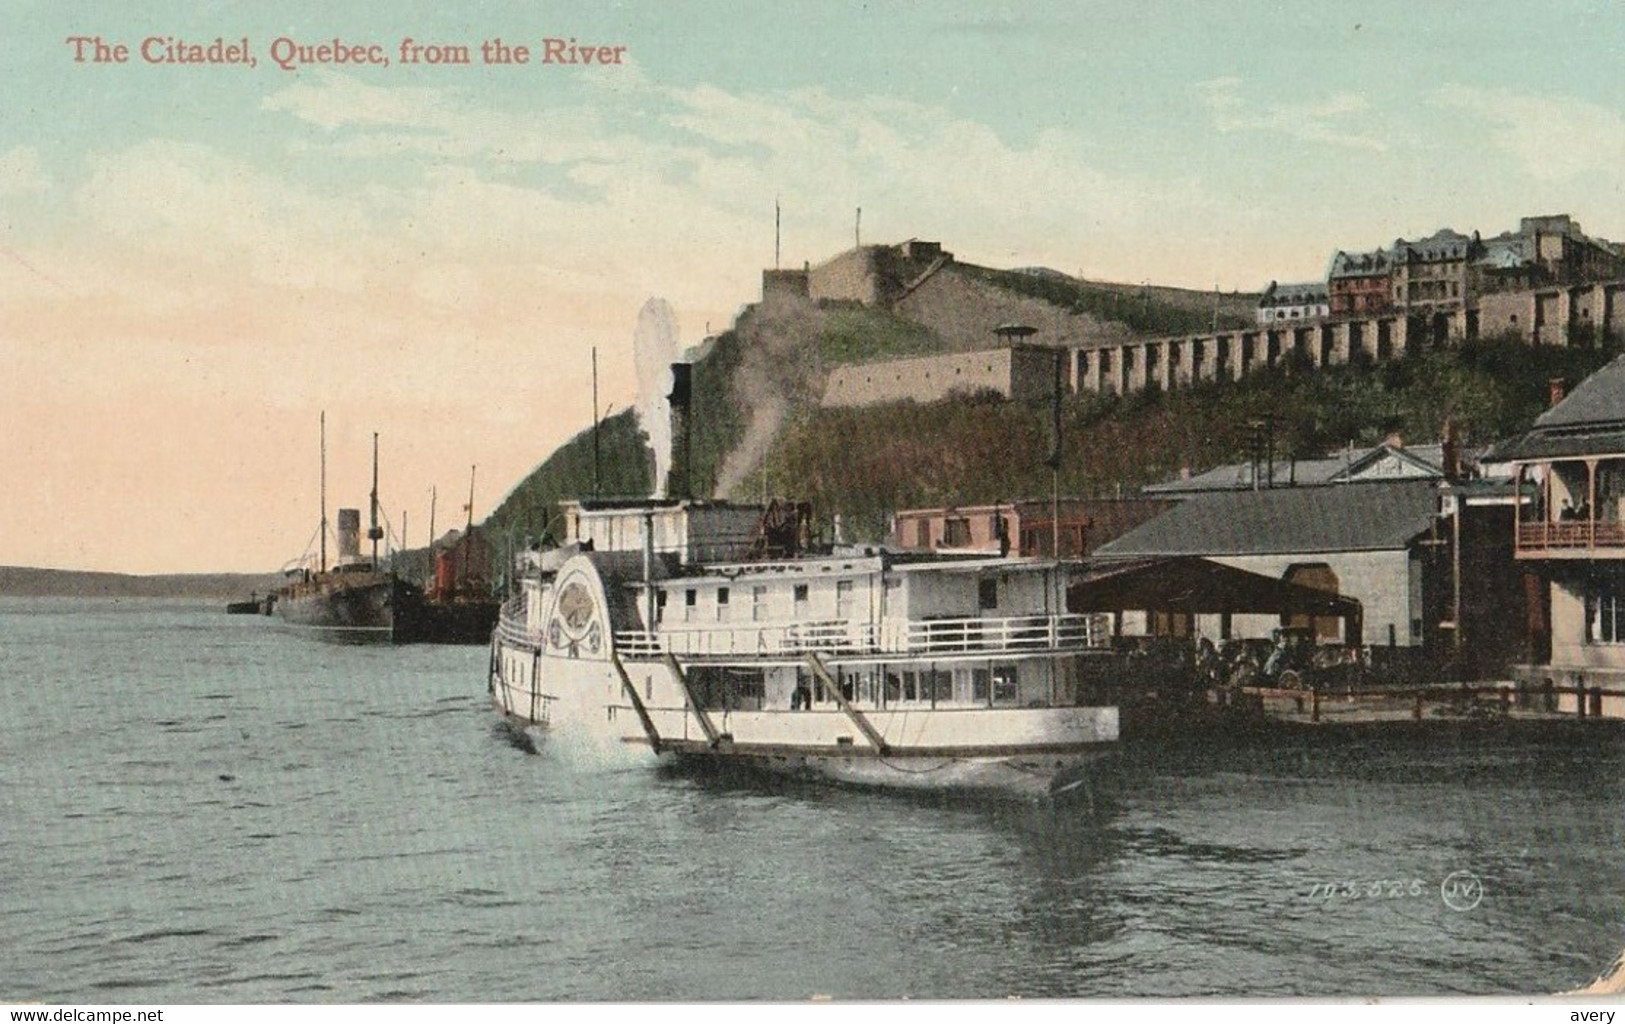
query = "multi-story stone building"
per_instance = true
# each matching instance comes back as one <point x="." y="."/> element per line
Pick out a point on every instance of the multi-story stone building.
<point x="1306" y="301"/>
<point x="1358" y="284"/>
<point x="1433" y="272"/>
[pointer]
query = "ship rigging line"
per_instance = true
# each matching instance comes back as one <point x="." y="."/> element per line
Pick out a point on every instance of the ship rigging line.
<point x="306" y="553"/>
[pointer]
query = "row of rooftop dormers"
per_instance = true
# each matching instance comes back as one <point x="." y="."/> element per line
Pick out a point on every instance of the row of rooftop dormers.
<point x="1450" y="269"/>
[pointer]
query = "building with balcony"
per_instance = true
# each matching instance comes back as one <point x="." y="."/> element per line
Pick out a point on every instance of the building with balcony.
<point x="1570" y="530"/>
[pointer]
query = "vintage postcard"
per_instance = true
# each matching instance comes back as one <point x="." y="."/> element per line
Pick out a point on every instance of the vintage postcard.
<point x="697" y="502"/>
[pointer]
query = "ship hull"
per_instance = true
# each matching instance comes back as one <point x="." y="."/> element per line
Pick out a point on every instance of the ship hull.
<point x="587" y="707"/>
<point x="1019" y="774"/>
<point x="363" y="608"/>
<point x="455" y="622"/>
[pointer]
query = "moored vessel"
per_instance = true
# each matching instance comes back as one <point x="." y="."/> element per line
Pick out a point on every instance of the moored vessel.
<point x="355" y="600"/>
<point x="709" y="632"/>
<point x="352" y="601"/>
<point x="459" y="604"/>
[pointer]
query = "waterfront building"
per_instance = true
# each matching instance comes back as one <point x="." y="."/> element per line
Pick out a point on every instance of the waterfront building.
<point x="1571" y="534"/>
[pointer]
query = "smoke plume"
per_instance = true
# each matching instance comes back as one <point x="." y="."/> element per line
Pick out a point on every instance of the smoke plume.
<point x="654" y="349"/>
<point x="779" y="363"/>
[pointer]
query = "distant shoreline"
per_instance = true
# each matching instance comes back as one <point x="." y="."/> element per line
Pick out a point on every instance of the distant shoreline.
<point x="22" y="581"/>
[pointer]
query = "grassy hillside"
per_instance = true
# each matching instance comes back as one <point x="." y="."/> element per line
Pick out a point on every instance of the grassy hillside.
<point x="864" y="463"/>
<point x="626" y="464"/>
<point x="625" y="468"/>
<point x="1144" y="310"/>
<point x="718" y="417"/>
<point x="864" y="335"/>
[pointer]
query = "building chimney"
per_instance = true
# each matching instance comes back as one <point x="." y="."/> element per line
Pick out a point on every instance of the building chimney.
<point x="1450" y="451"/>
<point x="1394" y="439"/>
<point x="1555" y="390"/>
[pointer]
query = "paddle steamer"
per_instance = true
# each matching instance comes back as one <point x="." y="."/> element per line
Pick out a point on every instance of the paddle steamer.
<point x="687" y="630"/>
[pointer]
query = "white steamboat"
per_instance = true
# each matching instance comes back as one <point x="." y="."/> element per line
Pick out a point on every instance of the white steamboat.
<point x="690" y="630"/>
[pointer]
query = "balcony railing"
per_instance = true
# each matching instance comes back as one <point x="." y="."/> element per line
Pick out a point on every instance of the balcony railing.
<point x="910" y="638"/>
<point x="1570" y="535"/>
<point x="512" y="626"/>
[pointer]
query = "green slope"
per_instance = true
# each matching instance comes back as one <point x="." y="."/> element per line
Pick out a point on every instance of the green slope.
<point x="865" y="463"/>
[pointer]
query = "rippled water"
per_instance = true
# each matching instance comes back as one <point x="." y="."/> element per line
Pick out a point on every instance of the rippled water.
<point x="200" y="808"/>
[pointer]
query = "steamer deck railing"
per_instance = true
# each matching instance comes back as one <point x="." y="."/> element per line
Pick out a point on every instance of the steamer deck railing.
<point x="912" y="638"/>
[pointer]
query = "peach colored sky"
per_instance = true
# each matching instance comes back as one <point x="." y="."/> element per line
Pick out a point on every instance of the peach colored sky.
<point x="197" y="260"/>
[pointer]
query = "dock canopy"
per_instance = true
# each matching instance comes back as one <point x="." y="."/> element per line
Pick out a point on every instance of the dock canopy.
<point x="1199" y="586"/>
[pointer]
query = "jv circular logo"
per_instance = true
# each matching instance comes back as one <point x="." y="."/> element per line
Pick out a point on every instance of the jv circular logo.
<point x="1462" y="890"/>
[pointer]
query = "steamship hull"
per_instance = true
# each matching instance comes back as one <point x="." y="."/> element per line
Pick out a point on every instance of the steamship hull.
<point x="353" y="608"/>
<point x="846" y="666"/>
<point x="457" y="622"/>
<point x="611" y="713"/>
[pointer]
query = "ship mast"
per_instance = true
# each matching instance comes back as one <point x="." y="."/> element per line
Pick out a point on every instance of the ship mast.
<point x="324" y="491"/>
<point x="373" y="532"/>
<point x="595" y="472"/>
<point x="469" y="530"/>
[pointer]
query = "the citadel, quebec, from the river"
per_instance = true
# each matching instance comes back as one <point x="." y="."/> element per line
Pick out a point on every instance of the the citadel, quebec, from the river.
<point x="1546" y="283"/>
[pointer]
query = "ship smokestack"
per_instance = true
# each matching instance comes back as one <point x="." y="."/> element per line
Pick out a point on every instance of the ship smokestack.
<point x="681" y="399"/>
<point x="349" y="534"/>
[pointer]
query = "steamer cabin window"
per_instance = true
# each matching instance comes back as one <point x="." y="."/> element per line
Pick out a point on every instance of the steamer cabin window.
<point x="987" y="594"/>
<point x="843" y="599"/>
<point x="995" y="685"/>
<point x="929" y="685"/>
<point x="1005" y="689"/>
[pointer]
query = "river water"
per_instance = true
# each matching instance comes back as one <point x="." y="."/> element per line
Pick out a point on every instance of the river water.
<point x="202" y="808"/>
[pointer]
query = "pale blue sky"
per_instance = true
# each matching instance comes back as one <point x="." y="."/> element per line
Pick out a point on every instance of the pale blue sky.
<point x="373" y="241"/>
